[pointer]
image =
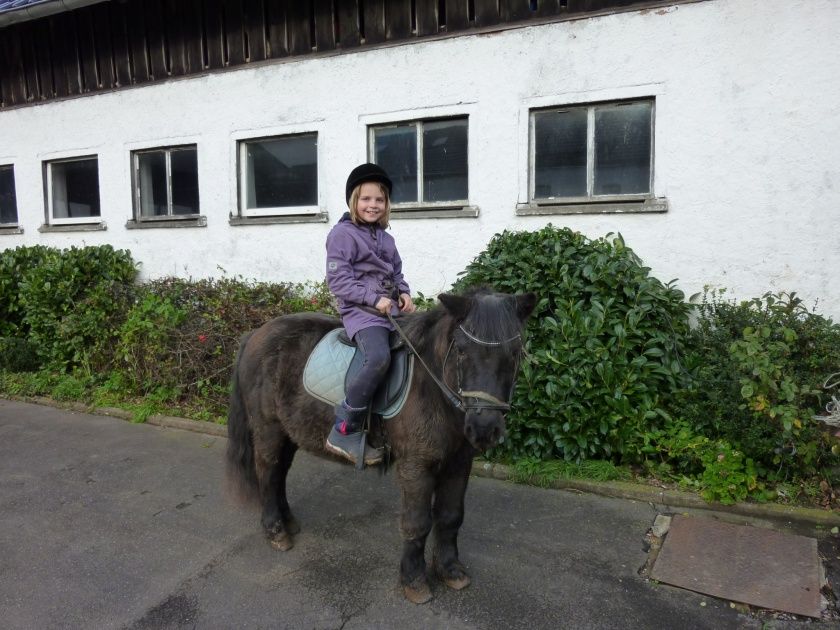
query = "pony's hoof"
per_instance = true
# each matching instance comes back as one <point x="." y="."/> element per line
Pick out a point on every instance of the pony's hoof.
<point x="417" y="593"/>
<point x="455" y="577"/>
<point x="458" y="583"/>
<point x="291" y="525"/>
<point x="281" y="542"/>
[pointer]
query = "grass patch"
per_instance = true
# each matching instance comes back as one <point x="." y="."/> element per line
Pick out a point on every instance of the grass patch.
<point x="544" y="474"/>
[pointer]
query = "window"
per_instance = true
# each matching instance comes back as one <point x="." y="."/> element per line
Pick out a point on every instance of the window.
<point x="8" y="201"/>
<point x="592" y="153"/>
<point x="73" y="190"/>
<point x="279" y="175"/>
<point x="166" y="183"/>
<point x="426" y="160"/>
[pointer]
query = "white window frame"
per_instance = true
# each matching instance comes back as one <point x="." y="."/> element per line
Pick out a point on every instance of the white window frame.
<point x="51" y="219"/>
<point x="242" y="160"/>
<point x="135" y="178"/>
<point x="420" y="204"/>
<point x="590" y="197"/>
<point x="17" y="211"/>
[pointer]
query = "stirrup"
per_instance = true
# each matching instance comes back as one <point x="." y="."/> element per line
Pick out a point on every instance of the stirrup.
<point x="353" y="447"/>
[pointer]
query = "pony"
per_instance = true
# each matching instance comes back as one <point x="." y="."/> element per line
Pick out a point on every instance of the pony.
<point x="469" y="347"/>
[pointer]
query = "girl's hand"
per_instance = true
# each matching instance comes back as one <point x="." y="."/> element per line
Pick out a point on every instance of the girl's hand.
<point x="383" y="305"/>
<point x="406" y="304"/>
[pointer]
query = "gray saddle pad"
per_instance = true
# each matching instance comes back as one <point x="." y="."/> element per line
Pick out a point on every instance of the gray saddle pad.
<point x="327" y="368"/>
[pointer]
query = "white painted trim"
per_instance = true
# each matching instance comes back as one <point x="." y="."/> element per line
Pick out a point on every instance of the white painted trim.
<point x="238" y="140"/>
<point x="50" y="218"/>
<point x="77" y="153"/>
<point x="622" y="93"/>
<point x="166" y="142"/>
<point x="447" y="110"/>
<point x="419" y="123"/>
<point x="654" y="91"/>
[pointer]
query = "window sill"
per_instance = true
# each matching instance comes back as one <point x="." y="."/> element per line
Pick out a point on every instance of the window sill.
<point x="657" y="205"/>
<point x="427" y="212"/>
<point x="191" y="222"/>
<point x="321" y="217"/>
<point x="10" y="229"/>
<point x="74" y="227"/>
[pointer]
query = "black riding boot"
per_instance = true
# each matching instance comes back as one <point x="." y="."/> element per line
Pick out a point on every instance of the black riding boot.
<point x="347" y="438"/>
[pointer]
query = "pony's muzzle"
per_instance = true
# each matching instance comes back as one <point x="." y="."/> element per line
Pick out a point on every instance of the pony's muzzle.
<point x="484" y="428"/>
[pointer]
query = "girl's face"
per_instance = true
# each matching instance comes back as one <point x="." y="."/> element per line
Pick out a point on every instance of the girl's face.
<point x="371" y="205"/>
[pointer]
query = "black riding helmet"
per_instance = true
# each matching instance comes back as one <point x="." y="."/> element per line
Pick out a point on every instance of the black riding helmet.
<point x="367" y="173"/>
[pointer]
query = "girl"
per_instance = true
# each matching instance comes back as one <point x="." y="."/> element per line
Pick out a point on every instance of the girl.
<point x="364" y="272"/>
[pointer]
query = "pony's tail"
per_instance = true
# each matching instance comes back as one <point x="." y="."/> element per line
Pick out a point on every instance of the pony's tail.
<point x="241" y="474"/>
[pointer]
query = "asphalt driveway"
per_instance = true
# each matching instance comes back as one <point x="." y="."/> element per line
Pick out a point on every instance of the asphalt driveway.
<point x="108" y="524"/>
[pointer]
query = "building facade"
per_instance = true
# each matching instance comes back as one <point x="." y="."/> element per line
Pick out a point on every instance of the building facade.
<point x="213" y="138"/>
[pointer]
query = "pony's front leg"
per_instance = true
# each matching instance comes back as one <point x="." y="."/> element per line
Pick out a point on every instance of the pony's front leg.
<point x="448" y="515"/>
<point x="416" y="486"/>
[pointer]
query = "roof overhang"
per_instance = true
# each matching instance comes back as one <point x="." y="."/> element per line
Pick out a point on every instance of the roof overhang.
<point x="24" y="11"/>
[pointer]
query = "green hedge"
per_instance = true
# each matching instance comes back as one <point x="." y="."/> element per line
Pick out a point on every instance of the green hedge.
<point x="181" y="336"/>
<point x="603" y="343"/>
<point x="68" y="303"/>
<point x="612" y="371"/>
<point x="758" y="368"/>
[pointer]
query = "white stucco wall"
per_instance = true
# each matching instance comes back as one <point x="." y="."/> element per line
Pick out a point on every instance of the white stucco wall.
<point x="746" y="145"/>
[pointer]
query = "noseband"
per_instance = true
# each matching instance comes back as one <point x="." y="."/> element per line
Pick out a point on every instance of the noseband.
<point x="469" y="400"/>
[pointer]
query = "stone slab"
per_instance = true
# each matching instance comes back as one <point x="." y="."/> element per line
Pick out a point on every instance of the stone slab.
<point x="756" y="566"/>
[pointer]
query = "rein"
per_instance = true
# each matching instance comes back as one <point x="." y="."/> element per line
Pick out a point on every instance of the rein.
<point x="460" y="399"/>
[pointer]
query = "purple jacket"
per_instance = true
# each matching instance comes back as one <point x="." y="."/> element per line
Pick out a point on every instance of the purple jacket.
<point x="363" y="265"/>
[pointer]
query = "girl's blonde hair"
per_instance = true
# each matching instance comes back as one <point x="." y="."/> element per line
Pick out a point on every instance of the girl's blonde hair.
<point x="354" y="202"/>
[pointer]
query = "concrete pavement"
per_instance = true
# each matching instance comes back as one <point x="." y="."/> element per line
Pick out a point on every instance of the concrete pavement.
<point x="108" y="524"/>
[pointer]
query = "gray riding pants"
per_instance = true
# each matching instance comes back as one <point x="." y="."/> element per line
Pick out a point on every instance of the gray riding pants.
<point x="373" y="343"/>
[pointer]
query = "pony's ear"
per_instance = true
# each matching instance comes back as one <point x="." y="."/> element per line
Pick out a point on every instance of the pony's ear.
<point x="525" y="303"/>
<point x="457" y="305"/>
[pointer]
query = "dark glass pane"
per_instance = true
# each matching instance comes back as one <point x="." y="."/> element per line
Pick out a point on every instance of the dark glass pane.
<point x="622" y="149"/>
<point x="283" y="172"/>
<point x="184" y="167"/>
<point x="445" y="160"/>
<point x="75" y="189"/>
<point x="8" y="201"/>
<point x="560" y="154"/>
<point x="395" y="150"/>
<point x="151" y="176"/>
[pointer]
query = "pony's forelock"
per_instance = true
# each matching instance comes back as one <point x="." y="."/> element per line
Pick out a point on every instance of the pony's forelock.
<point x="493" y="317"/>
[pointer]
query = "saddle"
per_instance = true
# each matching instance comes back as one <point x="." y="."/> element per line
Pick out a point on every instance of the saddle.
<point x="335" y="360"/>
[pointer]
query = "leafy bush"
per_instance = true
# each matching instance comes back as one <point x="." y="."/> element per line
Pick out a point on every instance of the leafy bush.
<point x="73" y="302"/>
<point x="15" y="265"/>
<point x="603" y="343"/>
<point x="145" y="341"/>
<point x="181" y="336"/>
<point x="713" y="467"/>
<point x="758" y="367"/>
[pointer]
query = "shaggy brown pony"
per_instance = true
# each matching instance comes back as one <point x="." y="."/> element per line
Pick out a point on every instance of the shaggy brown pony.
<point x="472" y="343"/>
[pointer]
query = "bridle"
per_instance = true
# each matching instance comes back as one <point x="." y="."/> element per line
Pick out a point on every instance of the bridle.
<point x="469" y="400"/>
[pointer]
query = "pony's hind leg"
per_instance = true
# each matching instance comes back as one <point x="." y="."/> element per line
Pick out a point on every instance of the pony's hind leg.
<point x="277" y="520"/>
<point x="448" y="515"/>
